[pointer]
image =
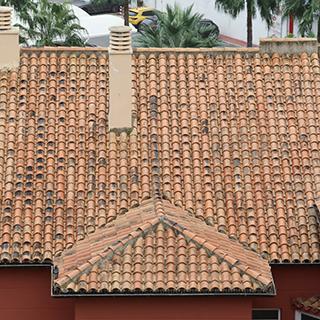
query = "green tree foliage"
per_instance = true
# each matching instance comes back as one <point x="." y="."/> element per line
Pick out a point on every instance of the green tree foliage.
<point x="178" y="28"/>
<point x="18" y="5"/>
<point x="266" y="8"/>
<point x="43" y="23"/>
<point x="119" y="2"/>
<point x="305" y="11"/>
<point x="22" y="8"/>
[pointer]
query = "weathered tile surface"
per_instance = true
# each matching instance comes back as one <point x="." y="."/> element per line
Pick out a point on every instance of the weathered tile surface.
<point x="159" y="248"/>
<point x="311" y="305"/>
<point x="238" y="139"/>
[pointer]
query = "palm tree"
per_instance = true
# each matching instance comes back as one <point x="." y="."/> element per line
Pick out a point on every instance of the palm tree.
<point x="305" y="11"/>
<point x="51" y="24"/>
<point x="126" y="12"/>
<point x="178" y="28"/>
<point x="266" y="7"/>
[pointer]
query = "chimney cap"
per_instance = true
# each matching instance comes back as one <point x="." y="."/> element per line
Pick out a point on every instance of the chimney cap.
<point x="120" y="40"/>
<point x="9" y="40"/>
<point x="6" y="9"/>
<point x="5" y="18"/>
<point x="120" y="29"/>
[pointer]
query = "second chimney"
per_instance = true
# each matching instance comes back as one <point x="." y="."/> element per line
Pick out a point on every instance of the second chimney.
<point x="9" y="40"/>
<point x="288" y="45"/>
<point x="120" y="78"/>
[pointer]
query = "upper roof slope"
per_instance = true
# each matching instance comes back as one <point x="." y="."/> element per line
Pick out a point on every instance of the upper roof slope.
<point x="238" y="144"/>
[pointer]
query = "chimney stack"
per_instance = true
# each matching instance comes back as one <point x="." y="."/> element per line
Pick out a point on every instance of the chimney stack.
<point x="120" y="78"/>
<point x="9" y="40"/>
<point x="288" y="45"/>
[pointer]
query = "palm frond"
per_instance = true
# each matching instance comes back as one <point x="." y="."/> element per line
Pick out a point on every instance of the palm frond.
<point x="304" y="11"/>
<point x="267" y="9"/>
<point x="51" y="24"/>
<point x="233" y="7"/>
<point x="178" y="28"/>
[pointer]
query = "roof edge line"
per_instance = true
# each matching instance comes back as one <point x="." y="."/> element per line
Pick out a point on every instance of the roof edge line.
<point x="105" y="253"/>
<point x="67" y="49"/>
<point x="197" y="50"/>
<point x="177" y="294"/>
<point x="225" y="256"/>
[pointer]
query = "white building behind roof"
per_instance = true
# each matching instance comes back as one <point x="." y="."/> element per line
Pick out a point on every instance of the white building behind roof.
<point x="232" y="27"/>
<point x="97" y="26"/>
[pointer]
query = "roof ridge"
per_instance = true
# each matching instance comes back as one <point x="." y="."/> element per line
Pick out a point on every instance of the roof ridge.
<point x="120" y="238"/>
<point x="155" y="163"/>
<point x="111" y="249"/>
<point x="197" y="50"/>
<point x="213" y="249"/>
<point x="158" y="209"/>
<point x="71" y="277"/>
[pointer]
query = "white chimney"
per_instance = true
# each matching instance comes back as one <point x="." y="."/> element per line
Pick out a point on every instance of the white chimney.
<point x="9" y="40"/>
<point x="120" y="78"/>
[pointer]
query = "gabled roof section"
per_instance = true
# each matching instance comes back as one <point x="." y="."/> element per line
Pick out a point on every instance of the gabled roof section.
<point x="158" y="248"/>
<point x="310" y="305"/>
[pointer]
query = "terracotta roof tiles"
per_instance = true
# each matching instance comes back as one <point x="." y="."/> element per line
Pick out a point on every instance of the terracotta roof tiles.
<point x="237" y="137"/>
<point x="239" y="143"/>
<point x="311" y="305"/>
<point x="159" y="248"/>
<point x="53" y="146"/>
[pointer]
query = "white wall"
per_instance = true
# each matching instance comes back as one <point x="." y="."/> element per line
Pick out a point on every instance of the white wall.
<point x="235" y="28"/>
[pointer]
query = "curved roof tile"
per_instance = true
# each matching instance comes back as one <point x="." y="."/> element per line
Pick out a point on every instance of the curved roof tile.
<point x="158" y="248"/>
<point x="238" y="147"/>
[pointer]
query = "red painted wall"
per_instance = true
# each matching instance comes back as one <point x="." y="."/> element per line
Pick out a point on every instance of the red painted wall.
<point x="25" y="293"/>
<point x="292" y="281"/>
<point x="163" y="308"/>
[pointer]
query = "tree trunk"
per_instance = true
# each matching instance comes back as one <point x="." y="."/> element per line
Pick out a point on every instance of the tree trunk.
<point x="318" y="32"/>
<point x="126" y="12"/>
<point x="249" y="23"/>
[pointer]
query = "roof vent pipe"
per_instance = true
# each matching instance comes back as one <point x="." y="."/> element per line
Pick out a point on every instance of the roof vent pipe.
<point x="9" y="40"/>
<point x="120" y="78"/>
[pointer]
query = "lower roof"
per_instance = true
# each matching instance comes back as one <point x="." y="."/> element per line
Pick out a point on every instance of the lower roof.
<point x="157" y="248"/>
<point x="310" y="305"/>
